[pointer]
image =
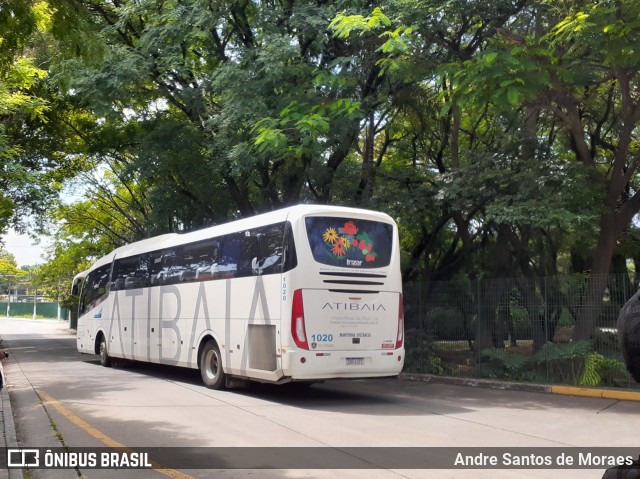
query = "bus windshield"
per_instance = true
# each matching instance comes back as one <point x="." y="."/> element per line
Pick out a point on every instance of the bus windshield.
<point x="350" y="243"/>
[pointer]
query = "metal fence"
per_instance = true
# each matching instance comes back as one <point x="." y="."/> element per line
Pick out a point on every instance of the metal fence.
<point x="45" y="310"/>
<point x="517" y="330"/>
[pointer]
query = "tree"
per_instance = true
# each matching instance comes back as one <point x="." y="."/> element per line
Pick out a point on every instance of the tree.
<point x="505" y="178"/>
<point x="583" y="70"/>
<point x="66" y="260"/>
<point x="10" y="274"/>
<point x="20" y="101"/>
<point x="262" y="101"/>
<point x="8" y="265"/>
<point x="37" y="127"/>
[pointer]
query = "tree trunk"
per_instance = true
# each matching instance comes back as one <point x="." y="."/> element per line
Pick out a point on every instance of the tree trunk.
<point x="490" y="330"/>
<point x="365" y="187"/>
<point x="591" y="301"/>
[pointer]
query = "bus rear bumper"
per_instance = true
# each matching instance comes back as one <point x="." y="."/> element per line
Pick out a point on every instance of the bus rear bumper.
<point x="306" y="365"/>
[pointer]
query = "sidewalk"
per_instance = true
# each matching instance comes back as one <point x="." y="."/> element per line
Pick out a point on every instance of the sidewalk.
<point x="8" y="438"/>
<point x="594" y="392"/>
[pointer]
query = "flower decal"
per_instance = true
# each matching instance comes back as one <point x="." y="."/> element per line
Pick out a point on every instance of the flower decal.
<point x="330" y="236"/>
<point x="338" y="248"/>
<point x="350" y="228"/>
<point x="349" y="243"/>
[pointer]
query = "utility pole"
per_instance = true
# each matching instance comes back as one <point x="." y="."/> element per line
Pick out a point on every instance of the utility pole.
<point x="35" y="293"/>
<point x="35" y="296"/>
<point x="9" y="298"/>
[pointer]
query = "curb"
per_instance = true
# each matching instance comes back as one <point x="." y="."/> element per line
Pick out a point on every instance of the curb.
<point x="11" y="439"/>
<point x="618" y="394"/>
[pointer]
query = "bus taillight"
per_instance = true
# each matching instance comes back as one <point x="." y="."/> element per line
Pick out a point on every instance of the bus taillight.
<point x="297" y="321"/>
<point x="400" y="336"/>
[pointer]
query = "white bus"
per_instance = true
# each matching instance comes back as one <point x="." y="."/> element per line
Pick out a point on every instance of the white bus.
<point x="305" y="293"/>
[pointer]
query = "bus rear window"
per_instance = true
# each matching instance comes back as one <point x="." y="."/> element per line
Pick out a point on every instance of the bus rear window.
<point x="350" y="243"/>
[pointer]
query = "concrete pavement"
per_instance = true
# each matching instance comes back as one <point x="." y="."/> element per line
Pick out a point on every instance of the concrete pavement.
<point x="27" y="413"/>
<point x="22" y="392"/>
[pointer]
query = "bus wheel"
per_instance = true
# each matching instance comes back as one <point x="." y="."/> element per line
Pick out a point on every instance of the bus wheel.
<point x="105" y="360"/>
<point x="211" y="366"/>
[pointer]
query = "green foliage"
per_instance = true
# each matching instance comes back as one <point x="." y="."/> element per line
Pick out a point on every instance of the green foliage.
<point x="515" y="191"/>
<point x="66" y="260"/>
<point x="17" y="100"/>
<point x="571" y="363"/>
<point x="32" y="159"/>
<point x="597" y="368"/>
<point x="505" y="77"/>
<point x="552" y="352"/>
<point x="9" y="267"/>
<point x="447" y="323"/>
<point x="424" y="360"/>
<point x="503" y="364"/>
<point x="344" y="25"/>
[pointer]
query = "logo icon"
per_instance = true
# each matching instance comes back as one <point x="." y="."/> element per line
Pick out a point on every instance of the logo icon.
<point x="23" y="458"/>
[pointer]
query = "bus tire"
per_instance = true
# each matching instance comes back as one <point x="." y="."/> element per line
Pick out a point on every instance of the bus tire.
<point x="105" y="360"/>
<point x="211" y="366"/>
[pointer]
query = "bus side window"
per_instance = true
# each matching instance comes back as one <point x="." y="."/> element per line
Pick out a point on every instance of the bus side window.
<point x="95" y="288"/>
<point x="101" y="285"/>
<point x="290" y="256"/>
<point x="198" y="261"/>
<point x="229" y="257"/>
<point x="169" y="272"/>
<point x="76" y="287"/>
<point x="85" y="297"/>
<point x="142" y="275"/>
<point x="124" y="270"/>
<point x="130" y="273"/>
<point x="269" y="259"/>
<point x="249" y="250"/>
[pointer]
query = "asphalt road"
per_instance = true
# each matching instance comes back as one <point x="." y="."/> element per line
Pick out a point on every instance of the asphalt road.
<point x="60" y="397"/>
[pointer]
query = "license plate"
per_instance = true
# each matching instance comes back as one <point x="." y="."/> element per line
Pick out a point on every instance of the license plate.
<point x="355" y="361"/>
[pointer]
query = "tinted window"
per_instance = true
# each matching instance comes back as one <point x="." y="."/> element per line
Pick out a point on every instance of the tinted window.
<point x="270" y="250"/>
<point x="249" y="247"/>
<point x="249" y="253"/>
<point x="75" y="287"/>
<point x="229" y="256"/>
<point x="290" y="257"/>
<point x="85" y="297"/>
<point x="253" y="252"/>
<point x="350" y="243"/>
<point x="165" y="267"/>
<point x="95" y="288"/>
<point x="130" y="273"/>
<point x="198" y="261"/>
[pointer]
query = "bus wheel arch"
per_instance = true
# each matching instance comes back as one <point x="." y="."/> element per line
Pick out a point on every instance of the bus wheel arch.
<point x="210" y="364"/>
<point x="101" y="349"/>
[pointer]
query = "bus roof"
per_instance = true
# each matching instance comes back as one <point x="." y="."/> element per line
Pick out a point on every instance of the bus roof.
<point x="169" y="240"/>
